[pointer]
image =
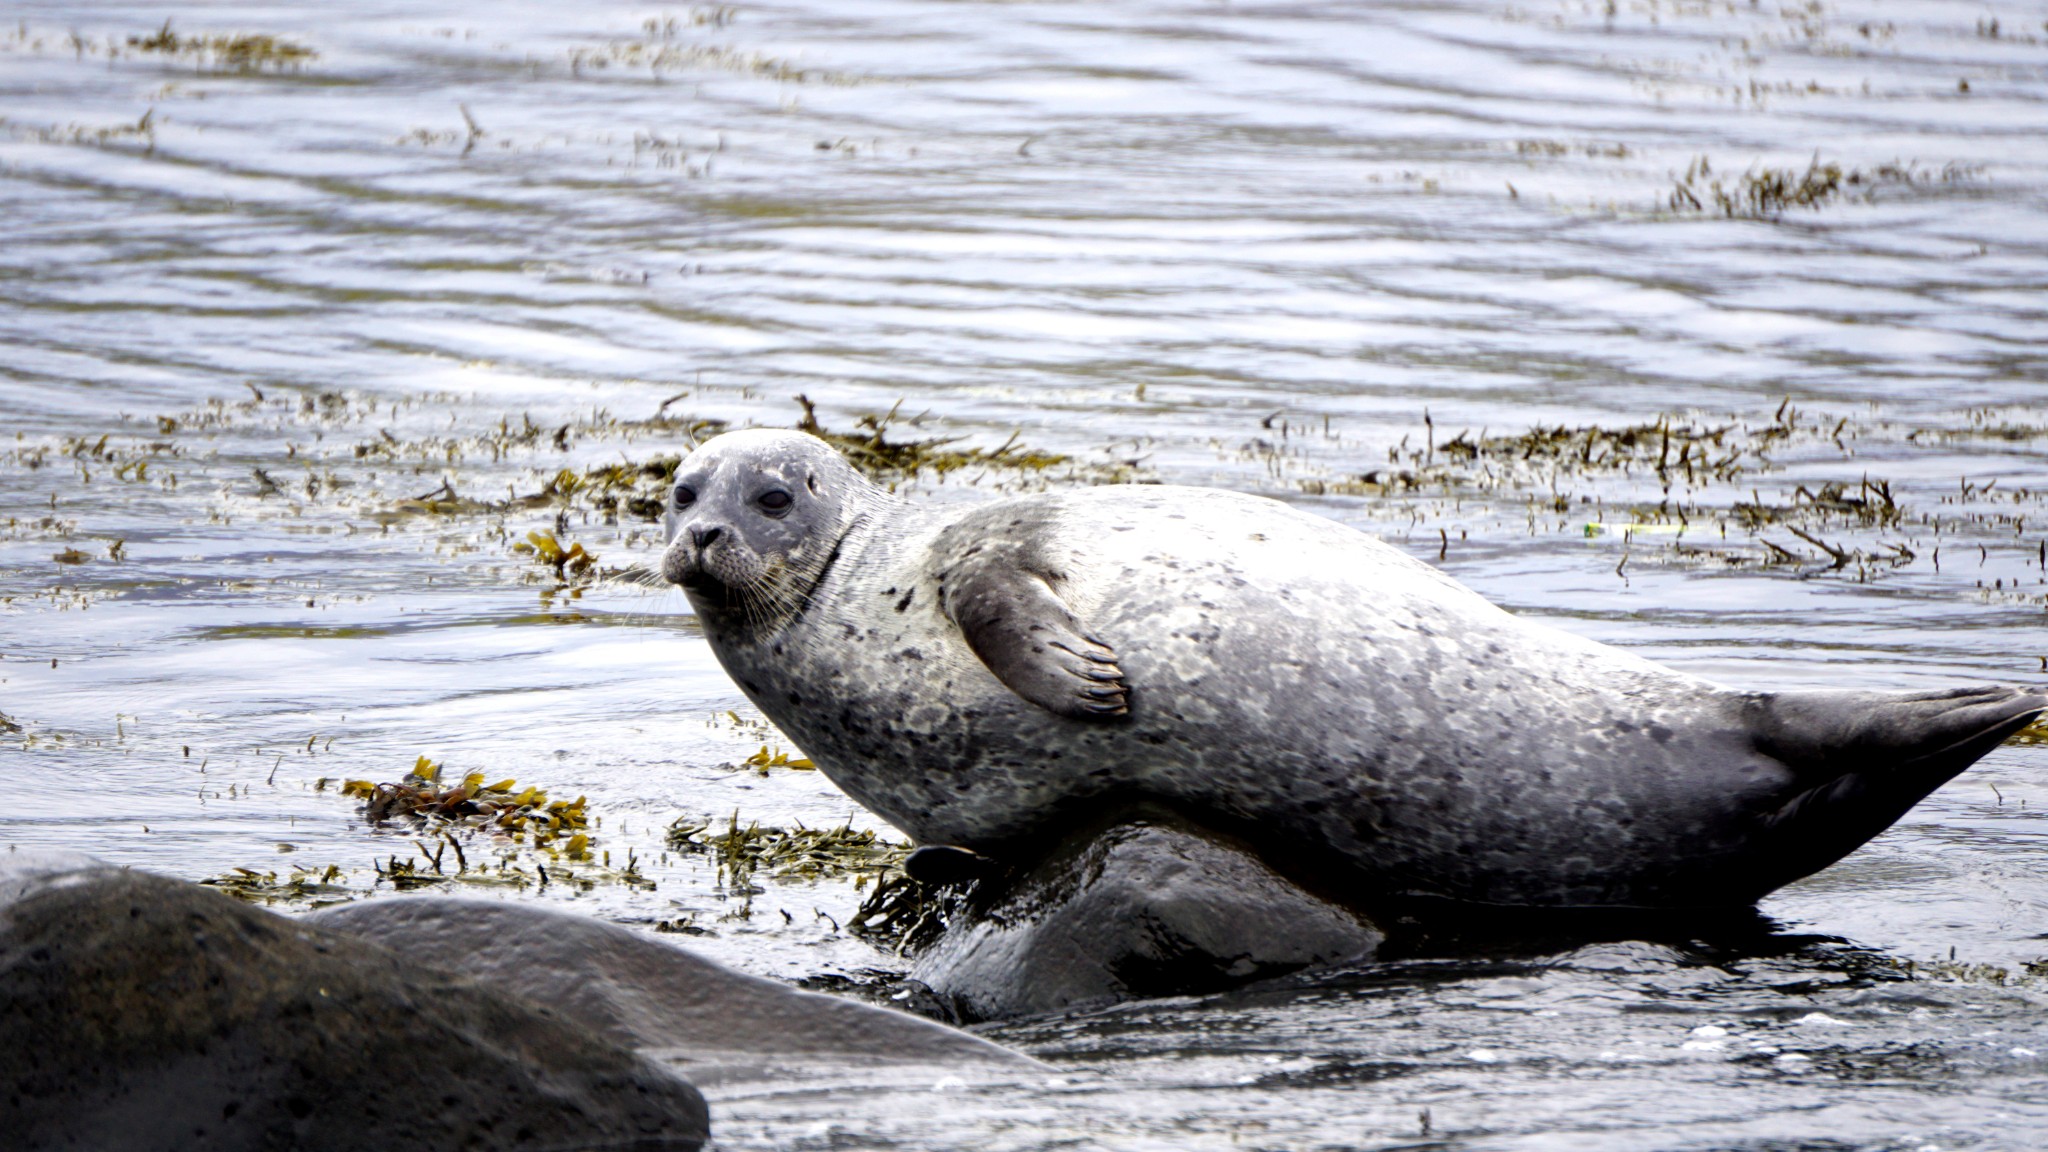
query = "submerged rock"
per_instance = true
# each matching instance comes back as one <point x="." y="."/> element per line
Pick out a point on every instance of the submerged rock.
<point x="1141" y="910"/>
<point x="642" y="992"/>
<point x="147" y="1013"/>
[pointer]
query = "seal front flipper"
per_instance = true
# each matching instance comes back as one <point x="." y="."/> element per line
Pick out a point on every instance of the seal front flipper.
<point x="1026" y="635"/>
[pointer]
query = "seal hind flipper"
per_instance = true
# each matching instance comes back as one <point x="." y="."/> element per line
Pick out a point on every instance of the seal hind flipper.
<point x="1026" y="635"/>
<point x="1862" y="759"/>
<point x="1827" y="734"/>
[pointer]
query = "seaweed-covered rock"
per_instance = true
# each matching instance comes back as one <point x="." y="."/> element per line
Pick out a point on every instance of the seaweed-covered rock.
<point x="643" y="992"/>
<point x="1143" y="909"/>
<point x="147" y="1013"/>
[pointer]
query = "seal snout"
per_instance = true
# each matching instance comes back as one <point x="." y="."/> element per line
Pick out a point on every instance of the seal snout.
<point x="682" y="563"/>
<point x="688" y="561"/>
<point x="710" y="553"/>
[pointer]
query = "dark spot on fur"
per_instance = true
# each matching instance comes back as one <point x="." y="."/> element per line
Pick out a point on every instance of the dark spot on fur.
<point x="905" y="602"/>
<point x="1660" y="733"/>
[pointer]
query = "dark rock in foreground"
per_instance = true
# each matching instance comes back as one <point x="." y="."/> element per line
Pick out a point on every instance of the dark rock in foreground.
<point x="1141" y="910"/>
<point x="644" y="993"/>
<point x="147" y="1013"/>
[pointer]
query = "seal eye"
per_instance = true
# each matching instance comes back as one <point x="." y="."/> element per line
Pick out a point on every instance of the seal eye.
<point x="685" y="495"/>
<point x="774" y="502"/>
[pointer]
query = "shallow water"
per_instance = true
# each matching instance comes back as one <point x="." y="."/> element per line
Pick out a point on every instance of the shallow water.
<point x="1265" y="246"/>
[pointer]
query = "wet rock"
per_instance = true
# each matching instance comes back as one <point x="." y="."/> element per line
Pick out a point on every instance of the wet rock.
<point x="147" y="1013"/>
<point x="642" y="992"/>
<point x="1141" y="910"/>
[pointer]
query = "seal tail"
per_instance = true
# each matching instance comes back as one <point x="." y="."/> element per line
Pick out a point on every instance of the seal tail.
<point x="1862" y="759"/>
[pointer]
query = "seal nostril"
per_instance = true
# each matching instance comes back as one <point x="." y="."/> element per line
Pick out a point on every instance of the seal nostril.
<point x="702" y="536"/>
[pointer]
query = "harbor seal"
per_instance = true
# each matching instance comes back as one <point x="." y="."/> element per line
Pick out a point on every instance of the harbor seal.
<point x="986" y="676"/>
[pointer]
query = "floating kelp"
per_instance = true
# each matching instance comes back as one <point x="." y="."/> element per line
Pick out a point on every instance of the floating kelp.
<point x="871" y="451"/>
<point x="436" y="868"/>
<point x="797" y="853"/>
<point x="1707" y="471"/>
<point x="571" y="565"/>
<point x="1983" y="425"/>
<point x="503" y="806"/>
<point x="445" y="501"/>
<point x="1871" y="506"/>
<point x="310" y="884"/>
<point x="658" y="51"/>
<point x="1768" y="193"/>
<point x="2031" y="974"/>
<point x="1676" y="449"/>
<point x="241" y="52"/>
<point x="763" y="760"/>
<point x="639" y="489"/>
<point x="143" y="130"/>
<point x="558" y="830"/>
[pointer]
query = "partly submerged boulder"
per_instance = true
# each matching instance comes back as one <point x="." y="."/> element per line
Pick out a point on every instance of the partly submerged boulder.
<point x="640" y="991"/>
<point x="148" y="1013"/>
<point x="1141" y="910"/>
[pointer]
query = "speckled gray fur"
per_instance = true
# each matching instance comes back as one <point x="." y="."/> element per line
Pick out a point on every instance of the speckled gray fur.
<point x="1363" y="720"/>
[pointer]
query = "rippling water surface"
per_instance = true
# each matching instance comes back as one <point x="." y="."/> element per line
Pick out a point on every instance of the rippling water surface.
<point x="294" y="349"/>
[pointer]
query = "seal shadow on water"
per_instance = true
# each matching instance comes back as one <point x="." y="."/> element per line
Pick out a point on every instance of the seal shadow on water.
<point x="1007" y="677"/>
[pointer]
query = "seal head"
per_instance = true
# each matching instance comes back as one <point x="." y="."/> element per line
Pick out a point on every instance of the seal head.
<point x="755" y="520"/>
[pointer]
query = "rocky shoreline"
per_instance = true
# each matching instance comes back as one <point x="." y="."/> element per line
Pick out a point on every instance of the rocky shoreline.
<point x="146" y="1013"/>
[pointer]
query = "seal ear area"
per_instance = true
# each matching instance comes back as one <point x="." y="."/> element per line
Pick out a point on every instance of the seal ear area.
<point x="1018" y="626"/>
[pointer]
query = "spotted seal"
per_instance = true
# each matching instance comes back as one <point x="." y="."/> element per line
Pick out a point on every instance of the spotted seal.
<point x="986" y="676"/>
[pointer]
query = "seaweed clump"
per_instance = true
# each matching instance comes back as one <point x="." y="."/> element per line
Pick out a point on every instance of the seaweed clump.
<point x="1768" y="193"/>
<point x="314" y="884"/>
<point x="1673" y="448"/>
<point x="502" y="806"/>
<point x="2035" y="733"/>
<point x="904" y="915"/>
<point x="559" y="829"/>
<point x="898" y="915"/>
<point x="571" y="565"/>
<point x="871" y="451"/>
<point x="620" y="486"/>
<point x="797" y="853"/>
<point x="243" y="52"/>
<point x="763" y="760"/>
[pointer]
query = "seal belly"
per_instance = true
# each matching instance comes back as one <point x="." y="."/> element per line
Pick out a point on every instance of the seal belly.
<point x="1317" y="692"/>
